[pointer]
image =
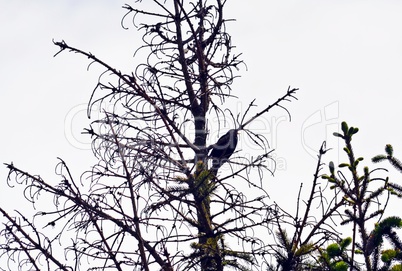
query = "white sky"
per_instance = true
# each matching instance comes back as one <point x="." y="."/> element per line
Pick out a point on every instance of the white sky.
<point x="345" y="56"/>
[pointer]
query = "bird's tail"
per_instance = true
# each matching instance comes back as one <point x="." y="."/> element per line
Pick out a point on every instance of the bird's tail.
<point x="215" y="166"/>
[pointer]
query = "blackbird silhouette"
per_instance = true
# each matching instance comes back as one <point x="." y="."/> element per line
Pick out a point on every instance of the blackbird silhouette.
<point x="223" y="149"/>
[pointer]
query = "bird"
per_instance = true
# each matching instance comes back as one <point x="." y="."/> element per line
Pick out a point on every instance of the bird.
<point x="223" y="149"/>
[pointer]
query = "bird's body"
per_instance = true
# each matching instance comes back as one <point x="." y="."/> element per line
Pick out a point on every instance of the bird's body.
<point x="223" y="149"/>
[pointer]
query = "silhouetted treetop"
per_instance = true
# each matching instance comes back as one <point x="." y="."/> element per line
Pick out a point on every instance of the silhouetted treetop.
<point x="152" y="202"/>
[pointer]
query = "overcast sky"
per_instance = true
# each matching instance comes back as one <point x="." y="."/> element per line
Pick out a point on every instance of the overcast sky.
<point x="345" y="56"/>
